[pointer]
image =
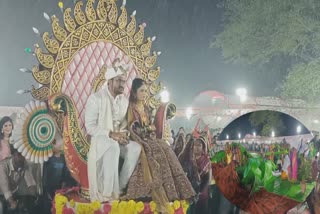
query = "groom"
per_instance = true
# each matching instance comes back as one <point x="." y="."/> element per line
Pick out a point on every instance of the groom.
<point x="105" y="122"/>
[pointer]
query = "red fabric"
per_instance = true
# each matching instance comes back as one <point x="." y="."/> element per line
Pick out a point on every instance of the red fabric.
<point x="262" y="202"/>
<point x="203" y="164"/>
<point x="77" y="167"/>
<point x="314" y="170"/>
<point x="67" y="210"/>
<point x="160" y="120"/>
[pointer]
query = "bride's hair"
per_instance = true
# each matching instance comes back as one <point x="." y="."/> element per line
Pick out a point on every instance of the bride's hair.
<point x="136" y="84"/>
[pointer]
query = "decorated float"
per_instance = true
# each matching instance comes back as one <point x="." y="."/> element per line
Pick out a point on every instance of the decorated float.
<point x="71" y="67"/>
<point x="255" y="184"/>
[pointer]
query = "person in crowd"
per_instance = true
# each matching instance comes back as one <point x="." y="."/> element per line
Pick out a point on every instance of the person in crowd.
<point x="196" y="163"/>
<point x="6" y="126"/>
<point x="181" y="130"/>
<point x="303" y="148"/>
<point x="214" y="149"/>
<point x="188" y="137"/>
<point x="293" y="168"/>
<point x="315" y="169"/>
<point x="180" y="143"/>
<point x="14" y="173"/>
<point x="316" y="141"/>
<point x="173" y="136"/>
<point x="56" y="175"/>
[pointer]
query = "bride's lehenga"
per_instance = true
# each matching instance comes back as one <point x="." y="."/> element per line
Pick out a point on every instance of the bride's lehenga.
<point x="158" y="175"/>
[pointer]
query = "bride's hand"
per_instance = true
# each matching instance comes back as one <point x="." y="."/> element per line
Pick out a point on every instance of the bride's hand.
<point x="117" y="136"/>
<point x="151" y="128"/>
<point x="123" y="141"/>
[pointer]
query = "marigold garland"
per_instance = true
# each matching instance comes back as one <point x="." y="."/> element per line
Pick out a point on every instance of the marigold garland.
<point x="71" y="203"/>
<point x="60" y="202"/>
<point x="176" y="205"/>
<point x="62" y="205"/>
<point x="153" y="206"/>
<point x="139" y="207"/>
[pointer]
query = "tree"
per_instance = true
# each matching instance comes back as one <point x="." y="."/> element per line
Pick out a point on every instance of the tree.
<point x="275" y="36"/>
<point x="267" y="121"/>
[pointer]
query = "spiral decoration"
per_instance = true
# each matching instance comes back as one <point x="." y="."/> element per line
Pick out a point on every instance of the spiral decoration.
<point x="35" y="132"/>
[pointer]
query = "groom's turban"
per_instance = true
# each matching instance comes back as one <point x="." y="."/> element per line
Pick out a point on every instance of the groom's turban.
<point x="117" y="69"/>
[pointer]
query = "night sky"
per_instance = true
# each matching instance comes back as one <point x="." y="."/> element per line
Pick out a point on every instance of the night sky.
<point x="184" y="30"/>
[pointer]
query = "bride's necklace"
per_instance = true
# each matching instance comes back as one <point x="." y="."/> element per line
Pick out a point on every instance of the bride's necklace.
<point x="6" y="139"/>
<point x="140" y="108"/>
<point x="141" y="111"/>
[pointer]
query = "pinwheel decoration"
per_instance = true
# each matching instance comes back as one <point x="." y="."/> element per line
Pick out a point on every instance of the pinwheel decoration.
<point x="35" y="132"/>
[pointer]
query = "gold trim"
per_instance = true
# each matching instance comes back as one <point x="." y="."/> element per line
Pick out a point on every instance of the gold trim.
<point x="46" y="60"/>
<point x="123" y="19"/>
<point x="52" y="45"/>
<point x="171" y="111"/>
<point x="99" y="80"/>
<point x="145" y="48"/>
<point x="59" y="32"/>
<point x="155" y="88"/>
<point x="113" y="12"/>
<point x="69" y="21"/>
<point x="102" y="10"/>
<point x="41" y="93"/>
<point x="42" y="77"/>
<point x="78" y="14"/>
<point x="78" y="140"/>
<point x="131" y="27"/>
<point x="84" y="192"/>
<point x="153" y="103"/>
<point x="138" y="37"/>
<point x="151" y="60"/>
<point x="90" y="12"/>
<point x="153" y="75"/>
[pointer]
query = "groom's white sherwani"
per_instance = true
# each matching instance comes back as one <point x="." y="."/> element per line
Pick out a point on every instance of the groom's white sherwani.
<point x="102" y="109"/>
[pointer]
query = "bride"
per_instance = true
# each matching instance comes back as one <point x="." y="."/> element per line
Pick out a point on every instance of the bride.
<point x="158" y="175"/>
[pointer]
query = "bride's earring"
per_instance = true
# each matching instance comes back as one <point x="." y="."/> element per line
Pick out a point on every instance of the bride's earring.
<point x="2" y="131"/>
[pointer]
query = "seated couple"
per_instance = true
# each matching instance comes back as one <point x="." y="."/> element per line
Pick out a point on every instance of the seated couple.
<point x="119" y="127"/>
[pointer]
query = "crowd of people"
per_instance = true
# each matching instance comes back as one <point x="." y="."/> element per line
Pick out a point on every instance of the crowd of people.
<point x="285" y="157"/>
<point x="194" y="151"/>
<point x="21" y="192"/>
<point x="26" y="187"/>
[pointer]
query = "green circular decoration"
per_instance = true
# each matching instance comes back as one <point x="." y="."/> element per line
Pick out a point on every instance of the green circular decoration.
<point x="41" y="130"/>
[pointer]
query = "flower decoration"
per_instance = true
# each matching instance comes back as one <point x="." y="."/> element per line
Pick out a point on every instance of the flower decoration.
<point x="139" y="207"/>
<point x="61" y="205"/>
<point x="176" y="205"/>
<point x="153" y="206"/>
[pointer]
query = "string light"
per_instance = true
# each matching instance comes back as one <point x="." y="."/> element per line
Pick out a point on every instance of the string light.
<point x="47" y="17"/>
<point x="28" y="50"/>
<point x="60" y="5"/>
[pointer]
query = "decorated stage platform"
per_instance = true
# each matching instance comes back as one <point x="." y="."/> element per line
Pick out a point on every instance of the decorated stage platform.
<point x="68" y="201"/>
